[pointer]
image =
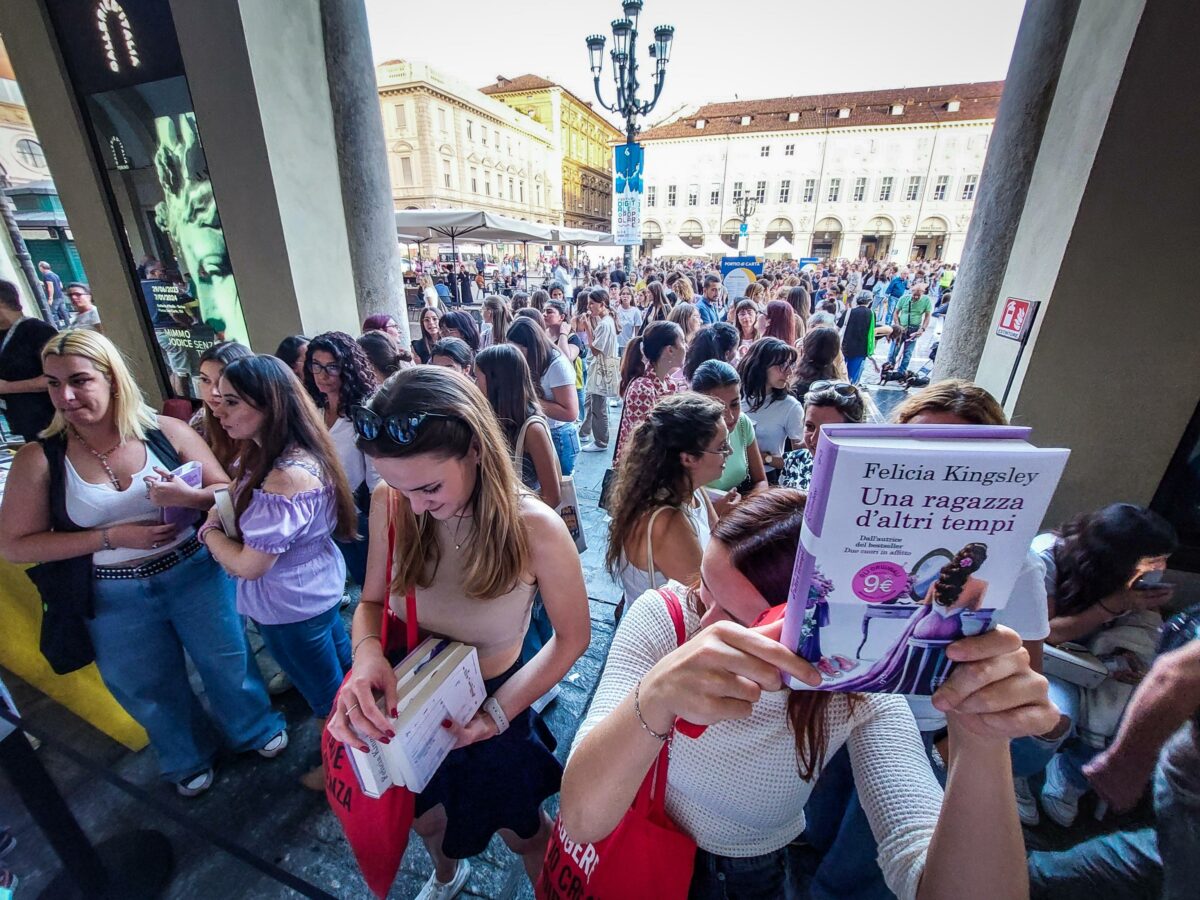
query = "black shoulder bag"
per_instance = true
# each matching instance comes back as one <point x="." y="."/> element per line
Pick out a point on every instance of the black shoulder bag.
<point x="65" y="585"/>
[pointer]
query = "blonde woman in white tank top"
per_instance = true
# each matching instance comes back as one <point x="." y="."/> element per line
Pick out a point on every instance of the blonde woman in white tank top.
<point x="155" y="591"/>
<point x="661" y="514"/>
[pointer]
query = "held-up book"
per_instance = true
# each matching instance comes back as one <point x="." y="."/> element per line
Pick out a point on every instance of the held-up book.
<point x="192" y="474"/>
<point x="913" y="537"/>
<point x="437" y="681"/>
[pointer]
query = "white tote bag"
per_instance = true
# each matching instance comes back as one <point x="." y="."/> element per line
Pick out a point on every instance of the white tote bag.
<point x="568" y="502"/>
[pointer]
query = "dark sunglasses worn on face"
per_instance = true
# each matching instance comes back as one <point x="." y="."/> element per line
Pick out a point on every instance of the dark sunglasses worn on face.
<point x="401" y="429"/>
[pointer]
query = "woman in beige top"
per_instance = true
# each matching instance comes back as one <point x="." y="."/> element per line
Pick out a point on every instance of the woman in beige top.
<point x="476" y="546"/>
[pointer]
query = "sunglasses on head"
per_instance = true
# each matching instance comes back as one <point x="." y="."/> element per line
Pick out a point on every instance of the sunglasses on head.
<point x="845" y="388"/>
<point x="401" y="428"/>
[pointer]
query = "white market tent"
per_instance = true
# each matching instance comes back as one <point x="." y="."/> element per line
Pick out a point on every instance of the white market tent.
<point x="713" y="245"/>
<point x="578" y="237"/>
<point x="781" y="247"/>
<point x="673" y="245"/>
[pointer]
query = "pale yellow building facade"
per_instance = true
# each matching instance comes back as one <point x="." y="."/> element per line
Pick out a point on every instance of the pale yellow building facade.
<point x="452" y="147"/>
<point x="583" y="139"/>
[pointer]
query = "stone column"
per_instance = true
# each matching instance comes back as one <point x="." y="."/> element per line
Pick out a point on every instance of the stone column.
<point x="1029" y="87"/>
<point x="362" y="162"/>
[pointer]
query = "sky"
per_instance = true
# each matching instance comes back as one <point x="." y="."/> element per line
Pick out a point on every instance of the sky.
<point x="768" y="48"/>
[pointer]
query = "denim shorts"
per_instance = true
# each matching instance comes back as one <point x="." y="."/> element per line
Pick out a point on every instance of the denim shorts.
<point x="566" y="445"/>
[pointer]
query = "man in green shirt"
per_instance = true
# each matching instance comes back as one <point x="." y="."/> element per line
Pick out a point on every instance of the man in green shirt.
<point x="912" y="314"/>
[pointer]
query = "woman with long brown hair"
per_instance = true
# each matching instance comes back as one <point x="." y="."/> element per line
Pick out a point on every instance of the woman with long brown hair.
<point x="291" y="499"/>
<point x="780" y="322"/>
<point x="212" y="363"/>
<point x="473" y="548"/>
<point x="497" y="316"/>
<point x="658" y="305"/>
<point x="740" y="788"/>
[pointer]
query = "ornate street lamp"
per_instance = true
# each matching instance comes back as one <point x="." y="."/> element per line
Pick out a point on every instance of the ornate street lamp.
<point x="744" y="207"/>
<point x="625" y="71"/>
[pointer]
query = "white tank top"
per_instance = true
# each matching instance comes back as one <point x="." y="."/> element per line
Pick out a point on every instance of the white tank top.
<point x="101" y="505"/>
<point x="635" y="581"/>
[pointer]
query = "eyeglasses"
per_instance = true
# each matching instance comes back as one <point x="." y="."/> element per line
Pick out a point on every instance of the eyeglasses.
<point x="844" y="388"/>
<point x="724" y="450"/>
<point x="332" y="370"/>
<point x="402" y="429"/>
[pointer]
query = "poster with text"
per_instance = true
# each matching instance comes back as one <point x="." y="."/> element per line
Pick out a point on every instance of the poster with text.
<point x="628" y="165"/>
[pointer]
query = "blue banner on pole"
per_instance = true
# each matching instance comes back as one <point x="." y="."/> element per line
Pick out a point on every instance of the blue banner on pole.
<point x="628" y="170"/>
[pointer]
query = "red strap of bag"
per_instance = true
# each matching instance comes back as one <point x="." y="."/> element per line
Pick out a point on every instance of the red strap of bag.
<point x="390" y="619"/>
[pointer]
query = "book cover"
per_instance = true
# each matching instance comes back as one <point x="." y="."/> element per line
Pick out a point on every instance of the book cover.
<point x="913" y="537"/>
<point x="437" y="681"/>
<point x="192" y="474"/>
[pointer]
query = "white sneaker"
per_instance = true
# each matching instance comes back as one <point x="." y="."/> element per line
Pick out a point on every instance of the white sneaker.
<point x="274" y="746"/>
<point x="435" y="890"/>
<point x="1027" y="808"/>
<point x="1060" y="799"/>
<point x="196" y="784"/>
<point x="593" y="448"/>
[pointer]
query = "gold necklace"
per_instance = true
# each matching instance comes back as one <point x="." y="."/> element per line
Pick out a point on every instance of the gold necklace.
<point x="457" y="543"/>
<point x="103" y="457"/>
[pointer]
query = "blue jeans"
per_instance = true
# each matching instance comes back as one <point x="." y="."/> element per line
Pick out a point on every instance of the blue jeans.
<point x="741" y="877"/>
<point x="140" y="630"/>
<point x="355" y="552"/>
<point x="1031" y="754"/>
<point x="903" y="349"/>
<point x="566" y="445"/>
<point x="839" y="834"/>
<point x="854" y="365"/>
<point x="315" y="653"/>
<point x="540" y="630"/>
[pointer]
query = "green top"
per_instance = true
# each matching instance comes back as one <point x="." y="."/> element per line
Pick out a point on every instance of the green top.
<point x="737" y="467"/>
<point x="910" y="311"/>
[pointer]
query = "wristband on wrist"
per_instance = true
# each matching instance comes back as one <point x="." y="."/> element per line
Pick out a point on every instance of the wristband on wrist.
<point x="637" y="708"/>
<point x="106" y="540"/>
<point x="1111" y="612"/>
<point x="492" y="707"/>
<point x="202" y="533"/>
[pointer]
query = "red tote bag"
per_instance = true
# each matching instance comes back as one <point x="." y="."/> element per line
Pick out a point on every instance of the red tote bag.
<point x="647" y="857"/>
<point x="377" y="829"/>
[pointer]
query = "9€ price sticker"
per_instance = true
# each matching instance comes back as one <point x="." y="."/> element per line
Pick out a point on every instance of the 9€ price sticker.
<point x="879" y="582"/>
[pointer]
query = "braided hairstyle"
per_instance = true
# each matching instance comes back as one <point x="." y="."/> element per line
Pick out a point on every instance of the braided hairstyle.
<point x="953" y="577"/>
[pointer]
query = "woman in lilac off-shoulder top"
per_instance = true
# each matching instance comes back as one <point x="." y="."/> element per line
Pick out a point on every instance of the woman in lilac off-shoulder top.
<point x="292" y="500"/>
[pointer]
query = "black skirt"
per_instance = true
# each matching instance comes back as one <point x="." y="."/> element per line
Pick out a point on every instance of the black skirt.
<point x="494" y="784"/>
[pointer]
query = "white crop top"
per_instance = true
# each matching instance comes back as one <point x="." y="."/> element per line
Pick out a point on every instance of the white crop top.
<point x="101" y="505"/>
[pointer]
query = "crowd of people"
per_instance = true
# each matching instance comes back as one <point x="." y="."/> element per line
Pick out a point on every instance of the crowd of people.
<point x="442" y="462"/>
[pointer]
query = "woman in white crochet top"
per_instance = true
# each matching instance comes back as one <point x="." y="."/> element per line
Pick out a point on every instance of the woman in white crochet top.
<point x="739" y="789"/>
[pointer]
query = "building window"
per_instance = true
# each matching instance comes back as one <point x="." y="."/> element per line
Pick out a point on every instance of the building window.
<point x="499" y="186"/>
<point x="737" y="191"/>
<point x="940" y="187"/>
<point x="969" y="183"/>
<point x="474" y="181"/>
<point x="511" y="193"/>
<point x="483" y="134"/>
<point x="785" y="191"/>
<point x="764" y="150"/>
<point x="913" y="189"/>
<point x="953" y="106"/>
<point x="670" y="195"/>
<point x="835" y="190"/>
<point x="487" y="184"/>
<point x="789" y="150"/>
<point x="442" y="120"/>
<point x="885" y="188"/>
<point x="398" y="117"/>
<point x="652" y="196"/>
<point x="446" y="172"/>
<point x="897" y="109"/>
<point x="844" y="112"/>
<point x="714" y="195"/>
<point x="760" y="192"/>
<point x="539" y="195"/>
<point x="693" y="195"/>
<point x="860" y="189"/>
<point x="522" y="186"/>
<point x="810" y="189"/>
<point x="406" y="173"/>
<point x="30" y="153"/>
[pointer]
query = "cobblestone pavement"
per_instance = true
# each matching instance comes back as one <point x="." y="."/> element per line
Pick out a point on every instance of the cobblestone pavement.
<point x="259" y="804"/>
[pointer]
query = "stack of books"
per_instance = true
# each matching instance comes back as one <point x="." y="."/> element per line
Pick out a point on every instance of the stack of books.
<point x="439" y="680"/>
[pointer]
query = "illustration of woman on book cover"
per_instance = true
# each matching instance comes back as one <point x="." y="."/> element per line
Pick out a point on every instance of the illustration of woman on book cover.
<point x="916" y="663"/>
<point x="816" y="617"/>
